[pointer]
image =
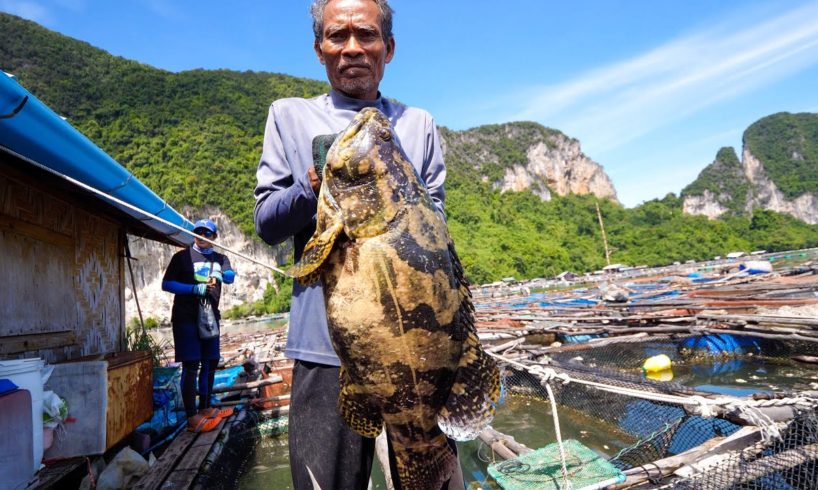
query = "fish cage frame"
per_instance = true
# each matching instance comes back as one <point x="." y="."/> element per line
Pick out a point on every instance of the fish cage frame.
<point x="783" y="426"/>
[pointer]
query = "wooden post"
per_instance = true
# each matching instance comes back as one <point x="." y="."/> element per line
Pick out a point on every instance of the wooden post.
<point x="604" y="238"/>
<point x="128" y="259"/>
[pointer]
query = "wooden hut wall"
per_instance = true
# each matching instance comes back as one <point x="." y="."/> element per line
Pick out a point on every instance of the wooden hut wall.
<point x="61" y="273"/>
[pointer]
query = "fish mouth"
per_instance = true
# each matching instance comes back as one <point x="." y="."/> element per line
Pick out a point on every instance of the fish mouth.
<point x="359" y="122"/>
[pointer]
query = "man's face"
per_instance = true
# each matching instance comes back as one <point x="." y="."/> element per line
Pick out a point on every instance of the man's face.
<point x="205" y="233"/>
<point x="352" y="47"/>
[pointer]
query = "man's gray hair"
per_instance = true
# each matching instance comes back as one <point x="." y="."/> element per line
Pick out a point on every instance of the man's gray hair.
<point x="317" y="12"/>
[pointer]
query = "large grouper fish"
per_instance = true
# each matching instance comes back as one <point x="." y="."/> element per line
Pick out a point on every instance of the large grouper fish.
<point x="398" y="305"/>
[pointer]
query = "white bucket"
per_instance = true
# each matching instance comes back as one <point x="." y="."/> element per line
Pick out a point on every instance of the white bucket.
<point x="26" y="373"/>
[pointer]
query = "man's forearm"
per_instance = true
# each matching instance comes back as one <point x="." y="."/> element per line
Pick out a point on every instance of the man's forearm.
<point x="281" y="214"/>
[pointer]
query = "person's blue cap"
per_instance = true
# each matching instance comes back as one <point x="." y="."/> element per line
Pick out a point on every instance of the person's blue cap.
<point x="205" y="224"/>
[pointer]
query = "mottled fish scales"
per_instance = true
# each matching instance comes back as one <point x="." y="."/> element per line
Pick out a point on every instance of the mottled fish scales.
<point x="399" y="308"/>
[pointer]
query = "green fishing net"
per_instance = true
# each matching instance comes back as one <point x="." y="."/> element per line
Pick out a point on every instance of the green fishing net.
<point x="542" y="469"/>
<point x="273" y="426"/>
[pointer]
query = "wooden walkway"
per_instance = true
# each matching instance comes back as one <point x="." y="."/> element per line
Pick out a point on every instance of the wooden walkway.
<point x="51" y="476"/>
<point x="178" y="466"/>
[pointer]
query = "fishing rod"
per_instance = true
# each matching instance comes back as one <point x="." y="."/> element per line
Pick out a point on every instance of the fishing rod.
<point x="139" y="210"/>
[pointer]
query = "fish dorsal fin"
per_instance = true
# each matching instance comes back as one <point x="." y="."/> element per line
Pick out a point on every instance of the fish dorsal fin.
<point x="316" y="252"/>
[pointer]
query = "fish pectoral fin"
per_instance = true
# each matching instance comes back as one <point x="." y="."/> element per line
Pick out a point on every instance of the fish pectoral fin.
<point x="476" y="389"/>
<point x="359" y="413"/>
<point x="428" y="465"/>
<point x="315" y="253"/>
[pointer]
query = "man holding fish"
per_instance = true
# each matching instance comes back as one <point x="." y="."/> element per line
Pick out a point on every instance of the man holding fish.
<point x="353" y="40"/>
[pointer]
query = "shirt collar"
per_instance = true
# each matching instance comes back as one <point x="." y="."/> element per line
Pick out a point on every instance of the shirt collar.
<point x="203" y="251"/>
<point x="341" y="101"/>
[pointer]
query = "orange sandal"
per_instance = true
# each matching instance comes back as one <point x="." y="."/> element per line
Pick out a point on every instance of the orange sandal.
<point x="215" y="412"/>
<point x="225" y="412"/>
<point x="200" y="423"/>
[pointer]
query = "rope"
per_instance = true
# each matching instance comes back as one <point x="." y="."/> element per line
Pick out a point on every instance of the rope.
<point x="707" y="407"/>
<point x="142" y="211"/>
<point x="546" y="375"/>
<point x="747" y="408"/>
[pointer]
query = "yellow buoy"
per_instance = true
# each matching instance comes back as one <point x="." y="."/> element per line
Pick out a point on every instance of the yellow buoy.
<point x="656" y="364"/>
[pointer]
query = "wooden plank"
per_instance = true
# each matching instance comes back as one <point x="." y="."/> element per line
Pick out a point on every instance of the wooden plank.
<point x="24" y="308"/>
<point x="38" y="341"/>
<point x="130" y="394"/>
<point x="167" y="462"/>
<point x="37" y="232"/>
<point x="51" y="475"/>
<point x="188" y="467"/>
<point x="804" y="322"/>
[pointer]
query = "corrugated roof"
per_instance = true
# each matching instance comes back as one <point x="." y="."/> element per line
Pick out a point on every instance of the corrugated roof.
<point x="40" y="137"/>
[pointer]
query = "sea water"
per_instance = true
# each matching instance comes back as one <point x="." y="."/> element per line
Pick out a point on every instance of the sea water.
<point x="530" y="422"/>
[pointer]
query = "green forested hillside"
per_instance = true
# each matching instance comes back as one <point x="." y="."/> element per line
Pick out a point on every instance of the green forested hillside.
<point x="195" y="138"/>
<point x="787" y="145"/>
<point x="725" y="179"/>
<point x="489" y="150"/>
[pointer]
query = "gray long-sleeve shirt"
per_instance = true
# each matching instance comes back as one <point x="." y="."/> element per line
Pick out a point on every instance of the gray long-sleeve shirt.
<point x="286" y="203"/>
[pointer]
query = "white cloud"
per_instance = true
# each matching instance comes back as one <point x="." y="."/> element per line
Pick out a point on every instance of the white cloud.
<point x="27" y="10"/>
<point x="615" y="104"/>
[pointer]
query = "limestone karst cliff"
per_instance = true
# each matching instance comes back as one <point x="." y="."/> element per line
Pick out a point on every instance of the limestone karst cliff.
<point x="526" y="156"/>
<point x="778" y="171"/>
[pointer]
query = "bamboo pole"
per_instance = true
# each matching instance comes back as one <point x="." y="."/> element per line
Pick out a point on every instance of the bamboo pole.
<point x="664" y="467"/>
<point x="251" y="401"/>
<point x="761" y="335"/>
<point x="604" y="238"/>
<point x="128" y="259"/>
<point x="785" y="460"/>
<point x="762" y="319"/>
<point x="248" y="386"/>
<point x="503" y="445"/>
<point x="506" y="346"/>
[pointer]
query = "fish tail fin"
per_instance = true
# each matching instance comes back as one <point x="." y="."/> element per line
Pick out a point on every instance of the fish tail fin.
<point x="474" y="394"/>
<point x="429" y="465"/>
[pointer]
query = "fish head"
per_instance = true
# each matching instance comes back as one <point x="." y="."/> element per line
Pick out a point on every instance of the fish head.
<point x="367" y="175"/>
<point x="350" y="160"/>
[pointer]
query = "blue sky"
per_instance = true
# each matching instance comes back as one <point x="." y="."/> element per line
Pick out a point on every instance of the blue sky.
<point x="652" y="89"/>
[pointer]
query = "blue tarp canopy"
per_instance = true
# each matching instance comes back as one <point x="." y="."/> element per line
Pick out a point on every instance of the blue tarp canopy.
<point x="32" y="131"/>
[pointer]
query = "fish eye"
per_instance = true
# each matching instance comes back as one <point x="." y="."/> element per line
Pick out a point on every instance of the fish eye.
<point x="385" y="134"/>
